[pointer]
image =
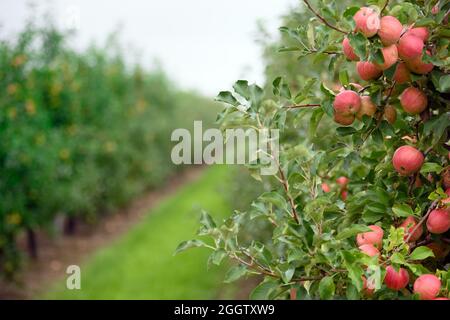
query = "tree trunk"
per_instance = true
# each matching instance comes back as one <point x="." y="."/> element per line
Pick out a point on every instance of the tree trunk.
<point x="70" y="226"/>
<point x="32" y="243"/>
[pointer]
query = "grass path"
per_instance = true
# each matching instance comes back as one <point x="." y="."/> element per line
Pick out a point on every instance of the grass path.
<point x="141" y="265"/>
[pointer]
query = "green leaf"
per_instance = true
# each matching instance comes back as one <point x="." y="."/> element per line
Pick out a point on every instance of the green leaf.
<point x="352" y="231"/>
<point x="345" y="131"/>
<point x="227" y="97"/>
<point x="326" y="288"/>
<point x="183" y="246"/>
<point x="235" y="273"/>
<point x="343" y="77"/>
<point x="264" y="290"/>
<point x="241" y="88"/>
<point x="421" y="253"/>
<point x="207" y="224"/>
<point x="217" y="257"/>
<point x="402" y="210"/>
<point x="444" y="84"/>
<point x="431" y="167"/>
<point x="358" y="43"/>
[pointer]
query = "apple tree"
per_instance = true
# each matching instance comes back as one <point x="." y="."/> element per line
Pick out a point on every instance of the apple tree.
<point x="359" y="206"/>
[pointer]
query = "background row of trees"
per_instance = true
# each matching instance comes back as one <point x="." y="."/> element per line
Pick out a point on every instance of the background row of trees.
<point x="81" y="133"/>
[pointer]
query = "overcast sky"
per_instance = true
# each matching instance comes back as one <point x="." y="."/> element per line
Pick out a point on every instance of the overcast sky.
<point x="202" y="44"/>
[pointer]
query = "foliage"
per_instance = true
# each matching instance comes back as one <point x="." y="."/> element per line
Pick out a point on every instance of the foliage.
<point x="312" y="252"/>
<point x="82" y="132"/>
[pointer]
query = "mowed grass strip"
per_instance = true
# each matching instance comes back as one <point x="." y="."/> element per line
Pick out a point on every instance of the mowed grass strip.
<point x="141" y="264"/>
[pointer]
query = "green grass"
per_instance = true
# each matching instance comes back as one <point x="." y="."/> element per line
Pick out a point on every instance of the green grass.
<point x="141" y="264"/>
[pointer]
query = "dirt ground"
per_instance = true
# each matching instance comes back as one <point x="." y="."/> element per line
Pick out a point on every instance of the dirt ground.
<point x="56" y="253"/>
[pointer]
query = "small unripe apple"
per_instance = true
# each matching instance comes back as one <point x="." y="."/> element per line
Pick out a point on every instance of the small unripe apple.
<point x="438" y="221"/>
<point x="368" y="70"/>
<point x="396" y="280"/>
<point x="408" y="225"/>
<point x="417" y="65"/>
<point x="427" y="286"/>
<point x="390" y="30"/>
<point x="348" y="50"/>
<point x="410" y="47"/>
<point x="343" y="120"/>
<point x="369" y="249"/>
<point x="413" y="100"/>
<point x="367" y="107"/>
<point x="407" y="160"/>
<point x="325" y="187"/>
<point x="347" y="103"/>
<point x="374" y="237"/>
<point x="390" y="114"/>
<point x="367" y="21"/>
<point x="420" y="32"/>
<point x="342" y="181"/>
<point x="390" y="55"/>
<point x="402" y="74"/>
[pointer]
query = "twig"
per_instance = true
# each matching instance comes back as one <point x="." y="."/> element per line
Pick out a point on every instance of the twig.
<point x="419" y="224"/>
<point x="285" y="184"/>
<point x="322" y="18"/>
<point x="297" y="106"/>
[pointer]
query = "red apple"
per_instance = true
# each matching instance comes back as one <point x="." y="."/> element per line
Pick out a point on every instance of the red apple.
<point x="438" y="221"/>
<point x="402" y="74"/>
<point x="390" y="114"/>
<point x="368" y="70"/>
<point x="344" y="120"/>
<point x="427" y="286"/>
<point x="348" y="50"/>
<point x="326" y="187"/>
<point x="407" y="160"/>
<point x="390" y="55"/>
<point x="368" y="287"/>
<point x="390" y="30"/>
<point x="347" y="103"/>
<point x="440" y="250"/>
<point x="435" y="10"/>
<point x="369" y="249"/>
<point x="420" y="32"/>
<point x="374" y="237"/>
<point x="441" y="298"/>
<point x="396" y="280"/>
<point x="367" y="107"/>
<point x="342" y="181"/>
<point x="344" y="194"/>
<point x="409" y="224"/>
<point x="367" y="21"/>
<point x="410" y="47"/>
<point x="417" y="65"/>
<point x="413" y="100"/>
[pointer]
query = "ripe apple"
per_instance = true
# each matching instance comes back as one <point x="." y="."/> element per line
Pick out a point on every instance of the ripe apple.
<point x="347" y="103"/>
<point x="410" y="47"/>
<point x="390" y="30"/>
<point x="407" y="160"/>
<point x="374" y="237"/>
<point x="343" y="120"/>
<point x="417" y="65"/>
<point x="367" y="107"/>
<point x="396" y="280"/>
<point x="402" y="74"/>
<point x="413" y="100"/>
<point x="390" y="114"/>
<point x="418" y="183"/>
<point x="390" y="55"/>
<point x="344" y="194"/>
<point x="441" y="298"/>
<point x="342" y="181"/>
<point x="427" y="286"/>
<point x="369" y="249"/>
<point x="325" y="187"/>
<point x="438" y="221"/>
<point x="367" y="21"/>
<point x="408" y="225"/>
<point x="368" y="70"/>
<point x="348" y="50"/>
<point x="435" y="10"/>
<point x="420" y="32"/>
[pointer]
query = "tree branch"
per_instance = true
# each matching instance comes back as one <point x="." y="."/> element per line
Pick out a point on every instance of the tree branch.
<point x="322" y="18"/>
<point x="431" y="208"/>
<point x="385" y="6"/>
<point x="297" y="106"/>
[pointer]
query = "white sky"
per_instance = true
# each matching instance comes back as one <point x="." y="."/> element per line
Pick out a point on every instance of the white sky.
<point x="202" y="44"/>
